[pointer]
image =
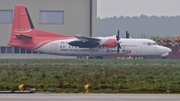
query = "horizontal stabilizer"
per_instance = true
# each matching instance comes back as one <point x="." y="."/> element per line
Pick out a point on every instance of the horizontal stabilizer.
<point x="20" y="36"/>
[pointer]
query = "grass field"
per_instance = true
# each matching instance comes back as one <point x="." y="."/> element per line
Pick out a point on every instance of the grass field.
<point x="103" y="76"/>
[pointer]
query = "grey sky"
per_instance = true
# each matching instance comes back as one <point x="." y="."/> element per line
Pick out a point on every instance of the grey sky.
<point x="109" y="8"/>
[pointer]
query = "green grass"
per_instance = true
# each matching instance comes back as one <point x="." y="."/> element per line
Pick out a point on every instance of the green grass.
<point x="103" y="76"/>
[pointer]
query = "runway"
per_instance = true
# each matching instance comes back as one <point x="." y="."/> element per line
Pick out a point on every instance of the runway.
<point x="89" y="97"/>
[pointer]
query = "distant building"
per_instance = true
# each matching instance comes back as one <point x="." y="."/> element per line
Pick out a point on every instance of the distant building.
<point x="70" y="17"/>
<point x="171" y="42"/>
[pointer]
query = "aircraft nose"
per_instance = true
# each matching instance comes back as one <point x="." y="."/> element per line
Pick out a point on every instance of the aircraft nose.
<point x="163" y="49"/>
<point x="169" y="50"/>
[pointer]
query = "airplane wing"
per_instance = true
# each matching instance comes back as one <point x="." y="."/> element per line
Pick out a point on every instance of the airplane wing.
<point x="85" y="42"/>
<point x="86" y="38"/>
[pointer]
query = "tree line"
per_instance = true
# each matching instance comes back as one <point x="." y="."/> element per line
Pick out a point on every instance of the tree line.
<point x="162" y="26"/>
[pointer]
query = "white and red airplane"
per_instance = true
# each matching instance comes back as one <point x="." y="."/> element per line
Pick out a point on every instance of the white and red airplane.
<point x="25" y="36"/>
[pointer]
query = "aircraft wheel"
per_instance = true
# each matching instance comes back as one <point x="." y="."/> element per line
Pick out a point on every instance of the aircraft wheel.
<point x="99" y="57"/>
<point x="163" y="58"/>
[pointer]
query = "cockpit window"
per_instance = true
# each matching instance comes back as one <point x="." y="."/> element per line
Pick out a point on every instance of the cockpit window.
<point x="150" y="43"/>
<point x="154" y="43"/>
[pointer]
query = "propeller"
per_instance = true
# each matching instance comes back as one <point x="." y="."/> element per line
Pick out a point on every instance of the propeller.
<point x="127" y="35"/>
<point x="117" y="42"/>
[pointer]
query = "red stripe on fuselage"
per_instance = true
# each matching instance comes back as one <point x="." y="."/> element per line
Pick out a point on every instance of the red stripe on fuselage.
<point x="111" y="42"/>
<point x="46" y="42"/>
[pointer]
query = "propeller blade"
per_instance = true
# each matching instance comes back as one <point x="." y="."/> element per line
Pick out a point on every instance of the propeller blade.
<point x="117" y="36"/>
<point x="118" y="47"/>
<point x="117" y="50"/>
<point x="117" y="42"/>
<point x="127" y="34"/>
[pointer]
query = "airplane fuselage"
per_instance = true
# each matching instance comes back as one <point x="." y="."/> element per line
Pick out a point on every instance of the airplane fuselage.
<point x="129" y="47"/>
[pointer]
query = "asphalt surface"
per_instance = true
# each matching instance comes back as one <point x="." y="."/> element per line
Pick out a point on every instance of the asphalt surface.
<point x="89" y="97"/>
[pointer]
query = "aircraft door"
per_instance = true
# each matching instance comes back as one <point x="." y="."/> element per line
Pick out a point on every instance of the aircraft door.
<point x="54" y="47"/>
<point x="156" y="50"/>
<point x="138" y="50"/>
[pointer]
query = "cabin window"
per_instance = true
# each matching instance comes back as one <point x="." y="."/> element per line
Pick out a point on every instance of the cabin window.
<point x="52" y="17"/>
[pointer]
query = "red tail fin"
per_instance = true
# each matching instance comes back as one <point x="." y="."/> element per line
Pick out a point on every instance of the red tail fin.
<point x="22" y="25"/>
<point x="22" y="21"/>
<point x="24" y="35"/>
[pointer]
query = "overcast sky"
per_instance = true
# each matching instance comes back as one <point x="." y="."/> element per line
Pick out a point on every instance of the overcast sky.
<point x="109" y="8"/>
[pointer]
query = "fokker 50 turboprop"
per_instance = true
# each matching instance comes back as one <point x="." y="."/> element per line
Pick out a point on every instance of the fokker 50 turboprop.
<point x="25" y="36"/>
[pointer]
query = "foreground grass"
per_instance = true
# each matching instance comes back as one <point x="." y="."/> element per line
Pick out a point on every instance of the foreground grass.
<point x="103" y="76"/>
